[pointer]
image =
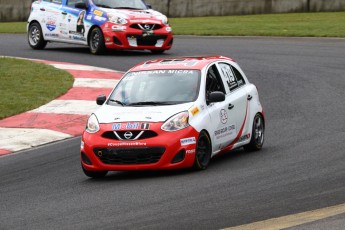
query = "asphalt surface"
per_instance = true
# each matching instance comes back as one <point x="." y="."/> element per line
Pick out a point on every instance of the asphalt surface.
<point x="301" y="167"/>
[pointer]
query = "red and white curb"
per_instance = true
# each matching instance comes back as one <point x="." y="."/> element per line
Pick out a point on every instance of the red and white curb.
<point x="63" y="117"/>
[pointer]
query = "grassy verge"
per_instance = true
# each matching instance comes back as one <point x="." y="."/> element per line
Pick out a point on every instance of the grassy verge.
<point x="25" y="85"/>
<point x="292" y="24"/>
<point x="13" y="27"/>
<point x="327" y="24"/>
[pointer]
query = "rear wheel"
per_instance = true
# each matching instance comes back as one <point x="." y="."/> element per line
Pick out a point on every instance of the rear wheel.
<point x="35" y="36"/>
<point x="203" y="151"/>
<point x="258" y="131"/>
<point x="94" y="174"/>
<point x="96" y="41"/>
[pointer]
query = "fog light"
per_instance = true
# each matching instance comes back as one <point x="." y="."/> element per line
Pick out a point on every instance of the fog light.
<point x="85" y="159"/>
<point x="179" y="156"/>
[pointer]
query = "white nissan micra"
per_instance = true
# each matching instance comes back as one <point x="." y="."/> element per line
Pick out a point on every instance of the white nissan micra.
<point x="173" y="113"/>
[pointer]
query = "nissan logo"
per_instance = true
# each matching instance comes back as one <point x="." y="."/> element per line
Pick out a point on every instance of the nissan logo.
<point x="147" y="26"/>
<point x="128" y="135"/>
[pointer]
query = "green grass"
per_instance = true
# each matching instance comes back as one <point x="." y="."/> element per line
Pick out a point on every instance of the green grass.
<point x="26" y="85"/>
<point x="13" y="27"/>
<point x="292" y="24"/>
<point x="330" y="24"/>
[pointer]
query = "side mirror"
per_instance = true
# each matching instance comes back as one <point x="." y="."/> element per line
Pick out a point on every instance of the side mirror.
<point x="81" y="5"/>
<point x="149" y="6"/>
<point x="101" y="99"/>
<point x="216" y="96"/>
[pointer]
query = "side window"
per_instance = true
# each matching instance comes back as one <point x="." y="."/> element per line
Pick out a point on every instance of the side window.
<point x="230" y="78"/>
<point x="53" y="1"/>
<point x="239" y="77"/>
<point x="213" y="81"/>
<point x="71" y="3"/>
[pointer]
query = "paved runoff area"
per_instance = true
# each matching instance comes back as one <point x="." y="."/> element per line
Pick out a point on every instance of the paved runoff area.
<point x="63" y="117"/>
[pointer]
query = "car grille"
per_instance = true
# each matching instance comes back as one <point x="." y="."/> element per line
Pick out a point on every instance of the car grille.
<point x="146" y="26"/>
<point x="128" y="156"/>
<point x="147" y="40"/>
<point x="145" y="135"/>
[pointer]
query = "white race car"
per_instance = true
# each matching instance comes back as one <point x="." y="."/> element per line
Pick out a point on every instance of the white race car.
<point x="173" y="113"/>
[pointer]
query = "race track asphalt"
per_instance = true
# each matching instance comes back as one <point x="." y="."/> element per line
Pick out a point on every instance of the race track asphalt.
<point x="301" y="84"/>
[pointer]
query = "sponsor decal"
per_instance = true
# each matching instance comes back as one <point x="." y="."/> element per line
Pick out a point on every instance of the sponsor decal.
<point x="98" y="12"/>
<point x="194" y="110"/>
<point x="144" y="126"/>
<point x="100" y="19"/>
<point x="89" y="17"/>
<point x="158" y="72"/>
<point x="223" y="116"/>
<point x="188" y="141"/>
<point x="190" y="151"/>
<point x="51" y="35"/>
<point x="130" y="126"/>
<point x="228" y="131"/>
<point x="244" y="138"/>
<point x="51" y="24"/>
<point x="126" y="144"/>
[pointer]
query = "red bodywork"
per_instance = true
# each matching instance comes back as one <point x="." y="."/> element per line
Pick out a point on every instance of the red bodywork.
<point x="171" y="141"/>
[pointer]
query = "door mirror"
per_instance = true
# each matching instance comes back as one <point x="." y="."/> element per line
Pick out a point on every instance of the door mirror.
<point x="216" y="96"/>
<point x="149" y="6"/>
<point x="101" y="99"/>
<point x="81" y="5"/>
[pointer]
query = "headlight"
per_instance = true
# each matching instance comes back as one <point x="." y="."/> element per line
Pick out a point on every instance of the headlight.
<point x="164" y="19"/>
<point x="92" y="124"/>
<point x="117" y="20"/>
<point x="176" y="122"/>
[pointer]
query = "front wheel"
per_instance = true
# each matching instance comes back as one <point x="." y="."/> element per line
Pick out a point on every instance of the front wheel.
<point x="96" y="41"/>
<point x="94" y="174"/>
<point x="258" y="131"/>
<point x="35" y="37"/>
<point x="203" y="151"/>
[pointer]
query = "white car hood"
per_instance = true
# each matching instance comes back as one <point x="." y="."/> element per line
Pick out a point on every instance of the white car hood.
<point x="110" y="114"/>
<point x="136" y="14"/>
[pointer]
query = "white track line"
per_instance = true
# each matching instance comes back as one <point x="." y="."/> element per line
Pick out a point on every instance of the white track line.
<point x="96" y="83"/>
<point x="80" y="107"/>
<point x="15" y="139"/>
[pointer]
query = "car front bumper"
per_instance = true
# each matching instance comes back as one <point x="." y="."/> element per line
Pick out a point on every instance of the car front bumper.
<point x="167" y="150"/>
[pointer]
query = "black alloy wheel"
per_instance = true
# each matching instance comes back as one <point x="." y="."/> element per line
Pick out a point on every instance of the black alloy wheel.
<point x="203" y="151"/>
<point x="258" y="133"/>
<point x="96" y="41"/>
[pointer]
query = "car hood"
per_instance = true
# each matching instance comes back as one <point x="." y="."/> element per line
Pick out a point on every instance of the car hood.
<point x="110" y="114"/>
<point x="136" y="15"/>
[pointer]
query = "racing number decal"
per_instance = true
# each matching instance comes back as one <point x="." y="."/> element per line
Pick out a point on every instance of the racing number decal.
<point x="231" y="80"/>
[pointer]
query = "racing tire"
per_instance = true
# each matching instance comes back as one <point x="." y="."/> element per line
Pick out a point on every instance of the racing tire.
<point x="157" y="51"/>
<point x="96" y="41"/>
<point x="202" y="152"/>
<point x="94" y="174"/>
<point x="258" y="131"/>
<point x="35" y="37"/>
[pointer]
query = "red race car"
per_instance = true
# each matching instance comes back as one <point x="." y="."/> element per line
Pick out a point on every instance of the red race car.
<point x="99" y="24"/>
<point x="173" y="113"/>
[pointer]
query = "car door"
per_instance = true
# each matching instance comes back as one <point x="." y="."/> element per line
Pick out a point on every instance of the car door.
<point x="74" y="28"/>
<point x="50" y="16"/>
<point x="223" y="128"/>
<point x="237" y="99"/>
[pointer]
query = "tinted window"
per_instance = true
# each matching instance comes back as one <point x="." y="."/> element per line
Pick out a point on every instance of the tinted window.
<point x="165" y="86"/>
<point x="239" y="77"/>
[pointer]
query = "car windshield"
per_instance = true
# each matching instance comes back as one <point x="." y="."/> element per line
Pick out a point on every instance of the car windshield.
<point x="156" y="87"/>
<point x="121" y="4"/>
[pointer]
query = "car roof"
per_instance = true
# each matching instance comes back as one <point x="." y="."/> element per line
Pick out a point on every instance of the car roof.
<point x="190" y="62"/>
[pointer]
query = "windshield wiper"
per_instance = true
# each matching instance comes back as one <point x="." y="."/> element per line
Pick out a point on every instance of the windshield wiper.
<point x="126" y="7"/>
<point x="151" y="103"/>
<point x="118" y="102"/>
<point x="104" y="6"/>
